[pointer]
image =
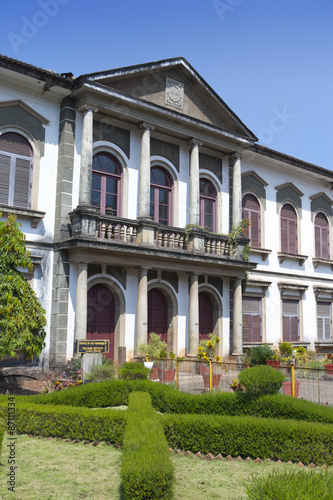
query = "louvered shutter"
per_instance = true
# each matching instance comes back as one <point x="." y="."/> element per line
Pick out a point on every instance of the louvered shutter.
<point x="324" y="320"/>
<point x="286" y="328"/>
<point x="256" y="328"/>
<point x="4" y="178"/>
<point x="247" y="327"/>
<point x="22" y="185"/>
<point x="320" y="328"/>
<point x="294" y="337"/>
<point x="322" y="236"/>
<point x="288" y="229"/>
<point x="251" y="211"/>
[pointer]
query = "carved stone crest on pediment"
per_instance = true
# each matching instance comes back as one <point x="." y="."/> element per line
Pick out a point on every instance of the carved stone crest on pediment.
<point x="174" y="93"/>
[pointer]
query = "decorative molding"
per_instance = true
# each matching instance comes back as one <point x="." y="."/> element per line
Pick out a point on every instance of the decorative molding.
<point x="25" y="107"/>
<point x="195" y="142"/>
<point x="145" y="125"/>
<point x="259" y="179"/>
<point x="282" y="256"/>
<point x="87" y="107"/>
<point x="323" y="290"/>
<point x="174" y="93"/>
<point x="323" y="195"/>
<point x="264" y="252"/>
<point x="317" y="261"/>
<point x="292" y="290"/>
<point x="291" y="185"/>
<point x="25" y="213"/>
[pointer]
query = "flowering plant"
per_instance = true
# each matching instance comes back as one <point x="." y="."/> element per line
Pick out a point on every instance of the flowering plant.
<point x="236" y="386"/>
<point x="329" y="358"/>
<point x="207" y="349"/>
<point x="56" y="381"/>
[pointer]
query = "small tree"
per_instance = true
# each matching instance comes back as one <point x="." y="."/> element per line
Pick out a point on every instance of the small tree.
<point x="22" y="318"/>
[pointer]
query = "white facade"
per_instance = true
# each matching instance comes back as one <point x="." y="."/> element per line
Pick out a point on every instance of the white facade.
<point x="142" y="260"/>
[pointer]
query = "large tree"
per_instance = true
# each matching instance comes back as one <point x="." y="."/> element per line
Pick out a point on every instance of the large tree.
<point x="22" y="318"/>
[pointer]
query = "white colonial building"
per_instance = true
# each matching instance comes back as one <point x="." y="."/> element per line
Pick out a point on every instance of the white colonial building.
<point x="126" y="183"/>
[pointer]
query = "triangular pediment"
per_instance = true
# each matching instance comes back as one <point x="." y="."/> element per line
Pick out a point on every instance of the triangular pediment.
<point x="174" y="85"/>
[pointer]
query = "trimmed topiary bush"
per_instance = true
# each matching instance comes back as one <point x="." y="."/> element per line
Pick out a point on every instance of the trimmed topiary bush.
<point x="69" y="422"/>
<point x="147" y="471"/>
<point x="283" y="440"/>
<point x="260" y="380"/>
<point x="307" y="485"/>
<point x="133" y="371"/>
<point x="166" y="399"/>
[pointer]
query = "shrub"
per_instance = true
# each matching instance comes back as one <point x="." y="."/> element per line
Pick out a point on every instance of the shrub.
<point x="67" y="422"/>
<point x="307" y="485"/>
<point x="106" y="371"/>
<point x="260" y="380"/>
<point x="1" y="435"/>
<point x="154" y="347"/>
<point x="133" y="371"/>
<point x="147" y="471"/>
<point x="168" y="400"/>
<point x="283" y="440"/>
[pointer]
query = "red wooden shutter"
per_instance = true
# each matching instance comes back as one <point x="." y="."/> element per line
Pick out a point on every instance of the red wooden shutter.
<point x="252" y="319"/>
<point x="251" y="211"/>
<point x="4" y="178"/>
<point x="288" y="229"/>
<point x="322" y="236"/>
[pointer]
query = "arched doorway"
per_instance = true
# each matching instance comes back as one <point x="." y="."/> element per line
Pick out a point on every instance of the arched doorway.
<point x="157" y="313"/>
<point x="205" y="316"/>
<point x="100" y="317"/>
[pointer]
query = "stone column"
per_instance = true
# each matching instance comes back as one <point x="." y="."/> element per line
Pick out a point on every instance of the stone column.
<point x="86" y="154"/>
<point x="194" y="202"/>
<point x="193" y="318"/>
<point x="238" y="319"/>
<point x="80" y="329"/>
<point x="236" y="190"/>
<point x="144" y="178"/>
<point x="142" y="309"/>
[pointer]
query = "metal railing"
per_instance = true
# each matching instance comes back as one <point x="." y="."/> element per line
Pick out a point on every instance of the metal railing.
<point x="312" y="384"/>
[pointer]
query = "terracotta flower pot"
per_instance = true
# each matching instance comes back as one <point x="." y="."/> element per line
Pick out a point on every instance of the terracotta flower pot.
<point x="273" y="362"/>
<point x="215" y="379"/>
<point x="153" y="375"/>
<point x="203" y="369"/>
<point x="329" y="369"/>
<point x="166" y="375"/>
<point x="287" y="388"/>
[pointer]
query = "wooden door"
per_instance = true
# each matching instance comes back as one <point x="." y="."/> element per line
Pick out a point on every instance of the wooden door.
<point x="157" y="313"/>
<point x="205" y="316"/>
<point x="100" y="318"/>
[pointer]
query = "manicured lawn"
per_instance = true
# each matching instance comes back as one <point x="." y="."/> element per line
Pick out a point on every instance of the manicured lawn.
<point x="58" y="469"/>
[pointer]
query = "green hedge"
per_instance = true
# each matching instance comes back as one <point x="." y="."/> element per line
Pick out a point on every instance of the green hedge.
<point x="307" y="485"/>
<point x="284" y="440"/>
<point x="1" y="436"/>
<point x="66" y="422"/>
<point x="147" y="471"/>
<point x="169" y="400"/>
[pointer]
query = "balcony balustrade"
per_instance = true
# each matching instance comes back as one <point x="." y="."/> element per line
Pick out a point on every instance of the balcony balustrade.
<point x="87" y="222"/>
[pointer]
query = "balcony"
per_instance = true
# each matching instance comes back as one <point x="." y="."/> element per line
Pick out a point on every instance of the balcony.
<point x="146" y="237"/>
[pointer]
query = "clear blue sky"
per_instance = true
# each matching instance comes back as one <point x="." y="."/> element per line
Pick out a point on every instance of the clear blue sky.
<point x="271" y="61"/>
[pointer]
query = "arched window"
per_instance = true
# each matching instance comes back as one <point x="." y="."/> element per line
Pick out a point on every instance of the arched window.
<point x="106" y="182"/>
<point x="15" y="170"/>
<point x="207" y="205"/>
<point x="160" y="196"/>
<point x="288" y="229"/>
<point x="251" y="211"/>
<point x="322" y="245"/>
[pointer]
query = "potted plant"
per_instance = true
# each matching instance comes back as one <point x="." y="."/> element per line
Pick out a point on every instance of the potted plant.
<point x="151" y="351"/>
<point x="329" y="365"/>
<point x="274" y="361"/>
<point x="206" y="354"/>
<point x="166" y="372"/>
